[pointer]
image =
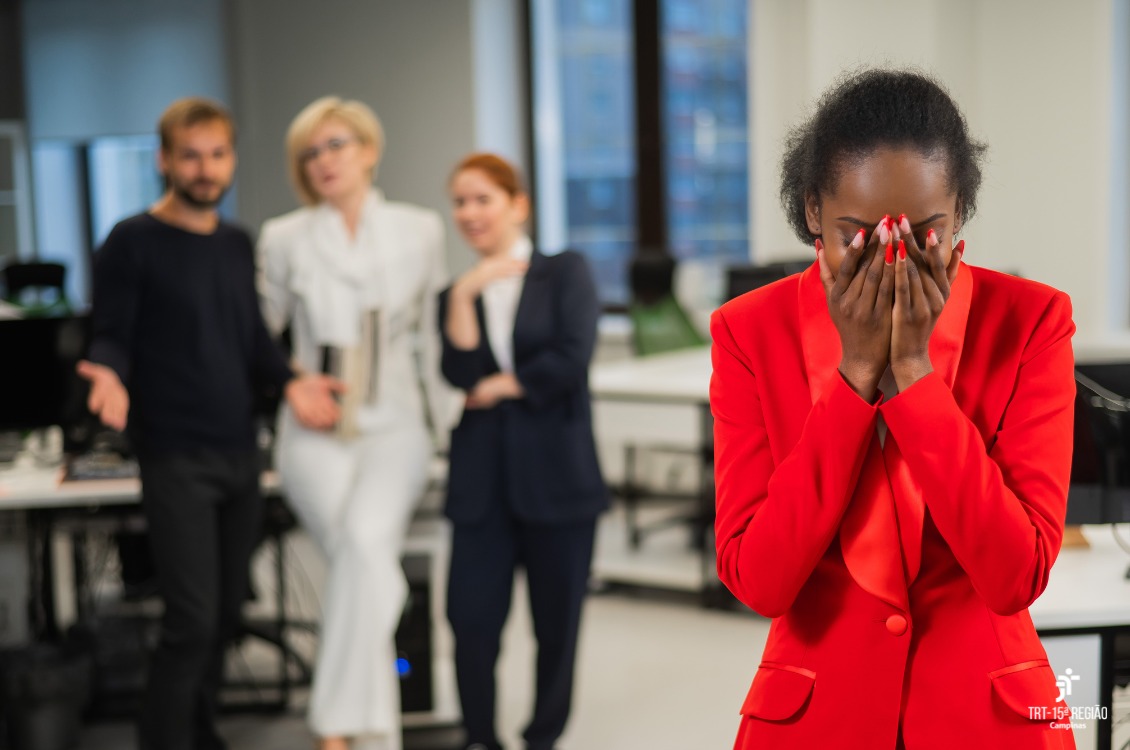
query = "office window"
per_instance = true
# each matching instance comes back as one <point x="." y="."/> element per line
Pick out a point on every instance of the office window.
<point x="59" y="173"/>
<point x="705" y="122"/>
<point x="123" y="180"/>
<point x="585" y="131"/>
<point x="85" y="187"/>
<point x="15" y="194"/>
<point x="584" y="142"/>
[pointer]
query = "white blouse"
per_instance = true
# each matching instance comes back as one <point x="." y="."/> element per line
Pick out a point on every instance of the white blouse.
<point x="500" y="307"/>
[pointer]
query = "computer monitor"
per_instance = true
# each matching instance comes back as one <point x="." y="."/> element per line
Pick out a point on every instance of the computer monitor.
<point x="742" y="279"/>
<point x="38" y="384"/>
<point x="1100" y="466"/>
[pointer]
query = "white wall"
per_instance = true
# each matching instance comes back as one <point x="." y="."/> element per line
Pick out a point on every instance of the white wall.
<point x="111" y="67"/>
<point x="1036" y="80"/>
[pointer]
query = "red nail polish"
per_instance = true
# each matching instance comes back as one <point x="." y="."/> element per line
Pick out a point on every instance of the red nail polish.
<point x="902" y="217"/>
<point x="888" y="222"/>
<point x="890" y="254"/>
<point x="819" y="245"/>
<point x="902" y="250"/>
<point x="931" y="235"/>
<point x="960" y="247"/>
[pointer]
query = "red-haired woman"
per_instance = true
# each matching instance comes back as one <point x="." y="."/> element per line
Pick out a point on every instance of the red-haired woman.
<point x="525" y="489"/>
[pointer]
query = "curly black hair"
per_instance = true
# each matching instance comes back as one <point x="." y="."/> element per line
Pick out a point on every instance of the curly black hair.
<point x="857" y="115"/>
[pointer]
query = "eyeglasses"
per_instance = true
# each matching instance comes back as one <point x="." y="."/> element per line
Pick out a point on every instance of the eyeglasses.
<point x="333" y="146"/>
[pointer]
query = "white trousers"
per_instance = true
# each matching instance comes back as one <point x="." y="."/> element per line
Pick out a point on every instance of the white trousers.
<point x="356" y="499"/>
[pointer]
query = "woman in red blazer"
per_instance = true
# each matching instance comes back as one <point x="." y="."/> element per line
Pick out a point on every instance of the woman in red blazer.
<point x="893" y="443"/>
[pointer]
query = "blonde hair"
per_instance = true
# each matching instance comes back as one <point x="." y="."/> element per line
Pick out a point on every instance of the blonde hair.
<point x="352" y="113"/>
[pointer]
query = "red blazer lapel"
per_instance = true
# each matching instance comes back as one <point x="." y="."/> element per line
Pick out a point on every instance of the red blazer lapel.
<point x="869" y="533"/>
<point x="881" y="532"/>
<point x="945" y="353"/>
<point x="819" y="337"/>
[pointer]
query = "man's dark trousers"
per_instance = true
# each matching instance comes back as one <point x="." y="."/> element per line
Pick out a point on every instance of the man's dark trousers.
<point x="204" y="513"/>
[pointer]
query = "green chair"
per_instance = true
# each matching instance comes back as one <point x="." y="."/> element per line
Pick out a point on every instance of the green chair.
<point x="662" y="327"/>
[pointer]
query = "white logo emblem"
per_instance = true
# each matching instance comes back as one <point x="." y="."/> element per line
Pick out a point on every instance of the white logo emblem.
<point x="1063" y="682"/>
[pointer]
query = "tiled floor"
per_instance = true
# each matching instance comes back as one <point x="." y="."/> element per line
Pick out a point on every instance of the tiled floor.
<point x="653" y="673"/>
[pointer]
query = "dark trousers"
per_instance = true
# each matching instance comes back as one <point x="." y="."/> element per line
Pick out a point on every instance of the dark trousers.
<point x="204" y="514"/>
<point x="484" y="556"/>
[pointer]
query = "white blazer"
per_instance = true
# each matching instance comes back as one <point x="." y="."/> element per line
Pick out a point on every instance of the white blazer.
<point x="316" y="278"/>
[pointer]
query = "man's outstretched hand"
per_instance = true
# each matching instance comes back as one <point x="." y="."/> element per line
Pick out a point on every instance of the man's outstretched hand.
<point x="109" y="399"/>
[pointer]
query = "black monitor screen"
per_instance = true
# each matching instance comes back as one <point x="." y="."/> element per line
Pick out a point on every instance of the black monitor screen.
<point x="38" y="385"/>
<point x="742" y="279"/>
<point x="1100" y="469"/>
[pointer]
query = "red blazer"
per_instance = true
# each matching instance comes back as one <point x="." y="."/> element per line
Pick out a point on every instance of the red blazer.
<point x="898" y="577"/>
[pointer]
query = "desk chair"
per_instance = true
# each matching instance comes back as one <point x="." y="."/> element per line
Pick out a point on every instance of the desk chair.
<point x="742" y="279"/>
<point x="659" y="324"/>
<point x="662" y="327"/>
<point x="38" y="288"/>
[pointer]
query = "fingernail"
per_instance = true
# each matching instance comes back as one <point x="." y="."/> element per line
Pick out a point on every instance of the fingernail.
<point x="887" y="221"/>
<point x="819" y="245"/>
<point x="960" y="247"/>
<point x="902" y="250"/>
<point x="859" y="239"/>
<point x="931" y="238"/>
<point x="890" y="254"/>
<point x="904" y="224"/>
<point x="884" y="233"/>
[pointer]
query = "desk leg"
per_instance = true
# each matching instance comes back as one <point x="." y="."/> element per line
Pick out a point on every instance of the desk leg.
<point x="711" y="593"/>
<point x="1105" y="739"/>
<point x="84" y="598"/>
<point x="41" y="606"/>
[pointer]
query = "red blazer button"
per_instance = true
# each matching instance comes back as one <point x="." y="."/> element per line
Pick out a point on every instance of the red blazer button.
<point x="896" y="624"/>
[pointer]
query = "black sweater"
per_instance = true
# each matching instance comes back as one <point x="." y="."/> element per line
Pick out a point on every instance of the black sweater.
<point x="176" y="315"/>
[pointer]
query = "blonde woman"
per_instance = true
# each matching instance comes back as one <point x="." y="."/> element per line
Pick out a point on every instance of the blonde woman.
<point x="356" y="278"/>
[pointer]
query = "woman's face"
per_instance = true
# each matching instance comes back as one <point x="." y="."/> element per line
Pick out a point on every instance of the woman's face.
<point x="888" y="181"/>
<point x="488" y="217"/>
<point x="337" y="163"/>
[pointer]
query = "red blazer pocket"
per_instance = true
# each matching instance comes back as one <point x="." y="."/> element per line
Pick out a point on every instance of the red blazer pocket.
<point x="1025" y="686"/>
<point x="778" y="692"/>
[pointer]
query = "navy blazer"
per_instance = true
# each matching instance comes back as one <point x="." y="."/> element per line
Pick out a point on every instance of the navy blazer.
<point x="537" y="453"/>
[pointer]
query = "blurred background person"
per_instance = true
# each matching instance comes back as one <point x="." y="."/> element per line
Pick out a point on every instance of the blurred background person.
<point x="178" y="351"/>
<point x="356" y="277"/>
<point x="525" y="487"/>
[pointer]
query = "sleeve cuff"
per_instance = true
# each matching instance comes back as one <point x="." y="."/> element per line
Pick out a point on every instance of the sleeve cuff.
<point x="102" y="353"/>
<point x="843" y="390"/>
<point x="928" y="401"/>
<point x="843" y="411"/>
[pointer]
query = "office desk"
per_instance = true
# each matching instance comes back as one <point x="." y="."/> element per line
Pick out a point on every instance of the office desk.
<point x="665" y="398"/>
<point x="46" y="499"/>
<point x="1085" y="605"/>
<point x="49" y="503"/>
<point x="680" y="377"/>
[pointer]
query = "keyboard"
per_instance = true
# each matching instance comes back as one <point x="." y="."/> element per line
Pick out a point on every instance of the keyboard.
<point x="100" y="466"/>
